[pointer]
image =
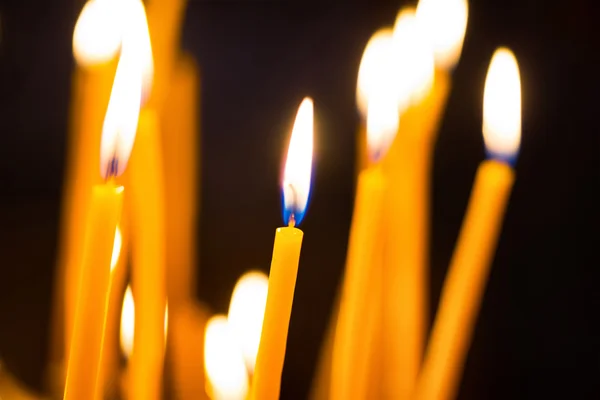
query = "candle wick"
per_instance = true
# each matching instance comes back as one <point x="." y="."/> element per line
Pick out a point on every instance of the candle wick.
<point x="292" y="220"/>
<point x="113" y="166"/>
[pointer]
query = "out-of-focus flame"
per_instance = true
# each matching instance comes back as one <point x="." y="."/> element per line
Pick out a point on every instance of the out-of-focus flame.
<point x="246" y="313"/>
<point x="116" y="249"/>
<point x="445" y="23"/>
<point x="502" y="106"/>
<point x="414" y="58"/>
<point x="376" y="74"/>
<point x="128" y="322"/>
<point x="382" y="125"/>
<point x="223" y="361"/>
<point x="298" y="166"/>
<point x="97" y="34"/>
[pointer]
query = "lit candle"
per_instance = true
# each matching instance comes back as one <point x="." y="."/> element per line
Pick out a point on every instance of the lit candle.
<point x="118" y="133"/>
<point x="223" y="362"/>
<point x="246" y="313"/>
<point x="127" y="335"/>
<point x="361" y="290"/>
<point x="286" y="255"/>
<point x="95" y="45"/>
<point x="469" y="269"/>
<point x="422" y="85"/>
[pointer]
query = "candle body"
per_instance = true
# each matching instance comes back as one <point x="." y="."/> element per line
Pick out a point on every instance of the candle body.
<point x="467" y="276"/>
<point x="282" y="282"/>
<point x="407" y="166"/>
<point x="88" y="332"/>
<point x="355" y="331"/>
<point x="109" y="373"/>
<point x="148" y="259"/>
<point x="180" y="148"/>
<point x="90" y="94"/>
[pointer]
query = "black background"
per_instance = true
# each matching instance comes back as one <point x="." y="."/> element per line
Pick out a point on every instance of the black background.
<point x="538" y="333"/>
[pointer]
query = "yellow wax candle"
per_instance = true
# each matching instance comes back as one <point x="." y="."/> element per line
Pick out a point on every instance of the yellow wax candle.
<point x="286" y="255"/>
<point x="408" y="167"/>
<point x="470" y="265"/>
<point x="91" y="85"/>
<point x="118" y="277"/>
<point x="180" y="148"/>
<point x="187" y="325"/>
<point x="88" y="331"/>
<point x="361" y="290"/>
<point x="148" y="258"/>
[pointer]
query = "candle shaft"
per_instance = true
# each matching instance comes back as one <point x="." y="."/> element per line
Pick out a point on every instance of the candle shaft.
<point x="148" y="259"/>
<point x="282" y="282"/>
<point x="465" y="283"/>
<point x="355" y="330"/>
<point x="88" y="332"/>
<point x="407" y="166"/>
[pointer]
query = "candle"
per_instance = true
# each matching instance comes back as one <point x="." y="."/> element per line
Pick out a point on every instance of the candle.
<point x="223" y="362"/>
<point x="127" y="335"/>
<point x="422" y="87"/>
<point x="12" y="389"/>
<point x="91" y="85"/>
<point x="179" y="149"/>
<point x="361" y="290"/>
<point x="246" y="313"/>
<point x="187" y="324"/>
<point x="286" y="255"/>
<point x="469" y="268"/>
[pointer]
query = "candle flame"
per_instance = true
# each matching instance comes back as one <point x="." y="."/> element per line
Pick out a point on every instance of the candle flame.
<point x="97" y="33"/>
<point x="298" y="166"/>
<point x="246" y="313"/>
<point x="223" y="361"/>
<point x="502" y="106"/>
<point x="116" y="249"/>
<point x="135" y="64"/>
<point x="128" y="323"/>
<point x="414" y="57"/>
<point x="445" y="23"/>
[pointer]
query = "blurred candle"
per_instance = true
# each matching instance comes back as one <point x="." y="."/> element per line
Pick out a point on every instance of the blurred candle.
<point x="223" y="362"/>
<point x="12" y="389"/>
<point x="180" y="139"/>
<point x="246" y="313"/>
<point x="286" y="255"/>
<point x="95" y="46"/>
<point x="469" y="269"/>
<point x="361" y="290"/>
<point x="118" y="133"/>
<point x="422" y="88"/>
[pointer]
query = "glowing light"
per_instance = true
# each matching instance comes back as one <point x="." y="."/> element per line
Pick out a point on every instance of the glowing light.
<point x="127" y="323"/>
<point x="414" y="58"/>
<point x="97" y="34"/>
<point x="502" y="106"/>
<point x="376" y="74"/>
<point x="116" y="249"/>
<point x="382" y="125"/>
<point x="298" y="166"/>
<point x="223" y="362"/>
<point x="246" y="313"/>
<point x="445" y="23"/>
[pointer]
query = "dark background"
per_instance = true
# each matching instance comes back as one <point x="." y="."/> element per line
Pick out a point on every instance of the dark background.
<point x="538" y="334"/>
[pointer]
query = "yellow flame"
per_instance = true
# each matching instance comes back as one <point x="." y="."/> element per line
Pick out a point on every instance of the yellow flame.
<point x="502" y="104"/>
<point x="247" y="311"/>
<point x="223" y="361"/>
<point x="445" y="23"/>
<point x="97" y="33"/>
<point x="116" y="249"/>
<point x="128" y="322"/>
<point x="414" y="58"/>
<point x="298" y="166"/>
<point x="376" y="72"/>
